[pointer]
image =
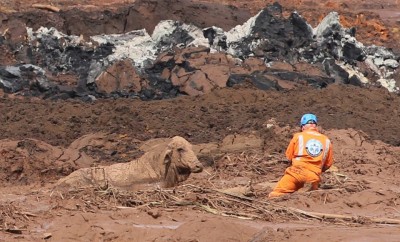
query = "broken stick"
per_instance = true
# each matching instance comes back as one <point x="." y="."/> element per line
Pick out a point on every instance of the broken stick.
<point x="46" y="7"/>
<point x="344" y="217"/>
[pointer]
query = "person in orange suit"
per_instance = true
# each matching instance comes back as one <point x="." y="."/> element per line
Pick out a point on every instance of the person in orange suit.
<point x="310" y="153"/>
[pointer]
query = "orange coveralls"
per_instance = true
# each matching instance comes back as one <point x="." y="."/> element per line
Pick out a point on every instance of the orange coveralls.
<point x="310" y="153"/>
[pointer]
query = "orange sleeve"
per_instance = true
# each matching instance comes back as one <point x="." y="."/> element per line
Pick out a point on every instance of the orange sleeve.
<point x="290" y="149"/>
<point x="329" y="158"/>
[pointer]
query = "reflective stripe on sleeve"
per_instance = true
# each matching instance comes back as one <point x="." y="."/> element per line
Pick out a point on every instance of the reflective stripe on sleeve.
<point x="301" y="145"/>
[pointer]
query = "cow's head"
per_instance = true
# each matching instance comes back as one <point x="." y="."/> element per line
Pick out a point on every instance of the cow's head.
<point x="180" y="161"/>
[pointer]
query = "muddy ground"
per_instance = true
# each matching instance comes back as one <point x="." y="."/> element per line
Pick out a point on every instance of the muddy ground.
<point x="359" y="197"/>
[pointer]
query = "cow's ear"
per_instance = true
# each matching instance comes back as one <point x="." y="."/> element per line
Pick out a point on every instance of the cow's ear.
<point x="167" y="156"/>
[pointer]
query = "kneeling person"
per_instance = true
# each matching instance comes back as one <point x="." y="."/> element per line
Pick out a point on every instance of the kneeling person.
<point x="310" y="153"/>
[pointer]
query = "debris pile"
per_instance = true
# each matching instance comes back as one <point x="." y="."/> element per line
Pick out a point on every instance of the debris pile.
<point x="268" y="50"/>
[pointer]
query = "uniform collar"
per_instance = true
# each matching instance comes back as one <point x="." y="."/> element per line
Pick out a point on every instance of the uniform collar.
<point x="311" y="129"/>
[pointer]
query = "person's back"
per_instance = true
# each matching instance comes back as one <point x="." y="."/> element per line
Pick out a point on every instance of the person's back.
<point x="310" y="149"/>
<point x="310" y="154"/>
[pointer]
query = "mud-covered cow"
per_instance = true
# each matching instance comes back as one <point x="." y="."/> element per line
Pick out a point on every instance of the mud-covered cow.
<point x="168" y="163"/>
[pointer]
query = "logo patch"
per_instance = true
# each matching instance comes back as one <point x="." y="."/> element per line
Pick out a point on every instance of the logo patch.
<point x="314" y="147"/>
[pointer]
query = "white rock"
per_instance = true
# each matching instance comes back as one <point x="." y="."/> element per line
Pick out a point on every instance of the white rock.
<point x="353" y="72"/>
<point x="369" y="61"/>
<point x="389" y="84"/>
<point x="236" y="34"/>
<point x="241" y="31"/>
<point x="165" y="29"/>
<point x="391" y="63"/>
<point x="136" y="45"/>
<point x="330" y="21"/>
<point x="71" y="40"/>
<point x="378" y="61"/>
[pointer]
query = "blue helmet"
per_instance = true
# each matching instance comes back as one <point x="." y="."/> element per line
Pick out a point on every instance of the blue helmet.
<point x="307" y="118"/>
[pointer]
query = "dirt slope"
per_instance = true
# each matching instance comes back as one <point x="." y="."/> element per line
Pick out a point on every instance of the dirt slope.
<point x="204" y="118"/>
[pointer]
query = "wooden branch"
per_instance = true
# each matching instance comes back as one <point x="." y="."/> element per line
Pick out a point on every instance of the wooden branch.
<point x="318" y="215"/>
<point x="245" y="216"/>
<point x="27" y="214"/>
<point x="315" y="215"/>
<point x="46" y="7"/>
<point x="222" y="192"/>
<point x="232" y="194"/>
<point x="344" y="217"/>
<point x="208" y="209"/>
<point x="14" y="230"/>
<point x="228" y="214"/>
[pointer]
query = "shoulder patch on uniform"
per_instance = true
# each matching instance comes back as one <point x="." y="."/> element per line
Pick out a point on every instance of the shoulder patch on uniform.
<point x="314" y="147"/>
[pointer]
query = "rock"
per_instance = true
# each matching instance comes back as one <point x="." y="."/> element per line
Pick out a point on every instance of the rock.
<point x="379" y="51"/>
<point x="280" y="65"/>
<point x="169" y="33"/>
<point x="179" y="58"/>
<point x="389" y="84"/>
<point x="252" y="64"/>
<point x="137" y="46"/>
<point x="216" y="38"/>
<point x="327" y="26"/>
<point x="119" y="77"/>
<point x="166" y="74"/>
<point x="335" y="71"/>
<point x="47" y="235"/>
<point x="265" y="81"/>
<point x="155" y="213"/>
<point x="355" y="77"/>
<point x="218" y="74"/>
<point x="197" y="84"/>
<point x="391" y="63"/>
<point x="24" y="77"/>
<point x="369" y="61"/>
<point x="378" y="61"/>
<point x="269" y="35"/>
<point x="179" y="76"/>
<point x="352" y="50"/>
